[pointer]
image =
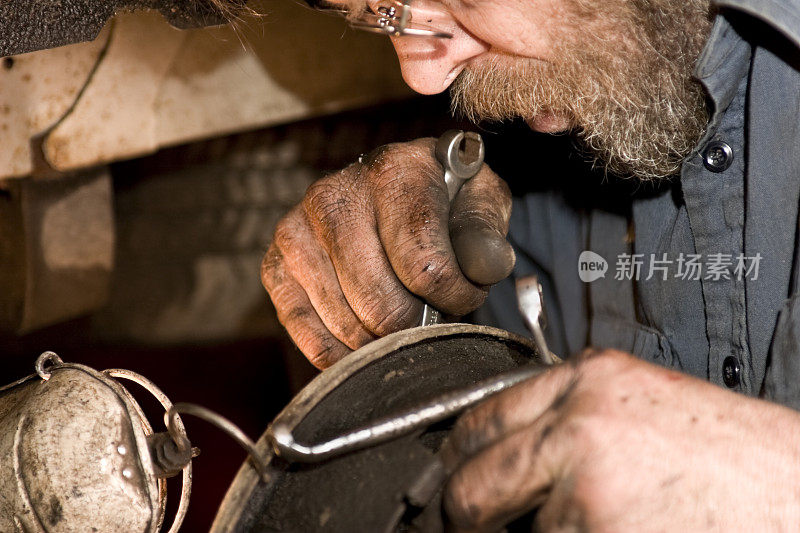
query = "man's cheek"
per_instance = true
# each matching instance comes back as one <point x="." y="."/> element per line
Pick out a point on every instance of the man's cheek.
<point x="522" y="28"/>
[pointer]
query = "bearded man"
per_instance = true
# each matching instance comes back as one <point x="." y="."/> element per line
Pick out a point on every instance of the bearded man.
<point x="700" y="100"/>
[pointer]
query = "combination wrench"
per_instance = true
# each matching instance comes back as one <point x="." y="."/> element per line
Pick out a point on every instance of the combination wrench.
<point x="461" y="154"/>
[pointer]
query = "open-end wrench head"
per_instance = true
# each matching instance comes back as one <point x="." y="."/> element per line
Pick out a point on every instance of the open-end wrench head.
<point x="460" y="153"/>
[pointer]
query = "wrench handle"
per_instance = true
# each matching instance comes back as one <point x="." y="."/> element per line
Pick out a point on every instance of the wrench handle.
<point x="459" y="166"/>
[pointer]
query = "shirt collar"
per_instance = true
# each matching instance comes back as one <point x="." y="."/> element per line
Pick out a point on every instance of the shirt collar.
<point x="725" y="60"/>
<point x="783" y="15"/>
<point x="726" y="57"/>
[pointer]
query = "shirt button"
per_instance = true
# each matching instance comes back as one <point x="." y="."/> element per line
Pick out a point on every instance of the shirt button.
<point x="718" y="156"/>
<point x="731" y="371"/>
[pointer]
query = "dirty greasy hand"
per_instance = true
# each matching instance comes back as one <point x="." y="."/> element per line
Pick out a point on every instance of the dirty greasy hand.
<point x="356" y="259"/>
<point x="612" y="443"/>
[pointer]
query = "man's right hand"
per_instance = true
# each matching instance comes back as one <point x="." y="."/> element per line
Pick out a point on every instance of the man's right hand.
<point x="368" y="245"/>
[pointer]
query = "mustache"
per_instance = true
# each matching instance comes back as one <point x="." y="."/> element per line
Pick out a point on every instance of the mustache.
<point x="635" y="116"/>
<point x="502" y="87"/>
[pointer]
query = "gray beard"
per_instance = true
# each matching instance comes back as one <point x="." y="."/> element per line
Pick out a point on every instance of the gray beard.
<point x="635" y="108"/>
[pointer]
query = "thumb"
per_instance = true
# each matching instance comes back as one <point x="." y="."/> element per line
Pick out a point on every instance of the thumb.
<point x="479" y="219"/>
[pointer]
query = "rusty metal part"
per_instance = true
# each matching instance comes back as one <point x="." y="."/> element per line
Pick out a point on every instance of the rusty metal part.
<point x="85" y="457"/>
<point x="220" y="422"/>
<point x="57" y="249"/>
<point x="169" y="459"/>
<point x="45" y="363"/>
<point x="186" y="484"/>
<point x="168" y="87"/>
<point x="461" y="155"/>
<point x="361" y="490"/>
<point x="27" y="25"/>
<point x="73" y="447"/>
<point x="394" y="426"/>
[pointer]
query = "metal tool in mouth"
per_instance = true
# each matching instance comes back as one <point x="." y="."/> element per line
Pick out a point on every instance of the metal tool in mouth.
<point x="461" y="154"/>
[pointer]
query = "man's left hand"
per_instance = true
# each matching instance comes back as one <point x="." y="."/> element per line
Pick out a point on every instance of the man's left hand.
<point x="611" y="443"/>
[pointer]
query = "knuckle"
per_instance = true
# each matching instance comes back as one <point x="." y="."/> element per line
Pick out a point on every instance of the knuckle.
<point x="385" y="165"/>
<point x="431" y="272"/>
<point x="390" y="313"/>
<point x="349" y="332"/>
<point x="435" y="276"/>
<point x="485" y="200"/>
<point x="270" y="268"/>
<point x="285" y="232"/>
<point x="503" y="197"/>
<point x="319" y="347"/>
<point x="290" y="310"/>
<point x="329" y="201"/>
<point x="586" y="431"/>
<point x="603" y="361"/>
<point x="354" y="334"/>
<point x="475" y="430"/>
<point x="321" y="352"/>
<point x="458" y="503"/>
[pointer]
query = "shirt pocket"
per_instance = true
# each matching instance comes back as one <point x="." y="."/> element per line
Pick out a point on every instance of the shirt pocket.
<point x="628" y="336"/>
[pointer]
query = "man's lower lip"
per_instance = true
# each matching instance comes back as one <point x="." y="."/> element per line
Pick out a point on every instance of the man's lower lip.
<point x="548" y="123"/>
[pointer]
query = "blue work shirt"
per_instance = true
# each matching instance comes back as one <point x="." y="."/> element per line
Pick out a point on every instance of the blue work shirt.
<point x="734" y="211"/>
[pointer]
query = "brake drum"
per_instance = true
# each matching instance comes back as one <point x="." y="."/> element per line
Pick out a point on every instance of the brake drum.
<point x="366" y="490"/>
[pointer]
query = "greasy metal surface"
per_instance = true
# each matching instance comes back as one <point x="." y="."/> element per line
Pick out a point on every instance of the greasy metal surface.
<point x="28" y="25"/>
<point x="143" y="84"/>
<point x="397" y="425"/>
<point x="220" y="422"/>
<point x="71" y="463"/>
<point x="38" y="90"/>
<point x="166" y="403"/>
<point x="461" y="154"/>
<point x="363" y="491"/>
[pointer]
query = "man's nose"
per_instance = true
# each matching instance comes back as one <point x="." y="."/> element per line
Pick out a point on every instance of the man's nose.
<point x="429" y="64"/>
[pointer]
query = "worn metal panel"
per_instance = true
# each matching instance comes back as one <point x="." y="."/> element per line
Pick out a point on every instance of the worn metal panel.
<point x="74" y="457"/>
<point x="292" y="64"/>
<point x="115" y="116"/>
<point x="36" y="90"/>
<point x="154" y="85"/>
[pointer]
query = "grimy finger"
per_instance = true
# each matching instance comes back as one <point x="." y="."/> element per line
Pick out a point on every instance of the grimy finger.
<point x="345" y="225"/>
<point x="478" y="227"/>
<point x="297" y="314"/>
<point x="411" y="210"/>
<point x="510" y="478"/>
<point x="310" y="265"/>
<point x="506" y="413"/>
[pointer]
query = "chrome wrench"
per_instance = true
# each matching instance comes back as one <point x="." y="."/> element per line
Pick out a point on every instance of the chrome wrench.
<point x="461" y="154"/>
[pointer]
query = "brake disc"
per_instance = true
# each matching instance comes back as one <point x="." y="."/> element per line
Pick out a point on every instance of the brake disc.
<point x="367" y="489"/>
